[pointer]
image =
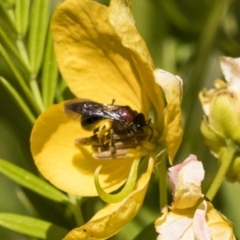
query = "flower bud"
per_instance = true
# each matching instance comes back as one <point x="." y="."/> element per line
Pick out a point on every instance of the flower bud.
<point x="221" y="105"/>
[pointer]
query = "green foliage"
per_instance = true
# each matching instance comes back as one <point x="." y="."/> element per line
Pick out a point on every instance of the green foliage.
<point x="184" y="37"/>
<point x="30" y="181"/>
<point x="32" y="227"/>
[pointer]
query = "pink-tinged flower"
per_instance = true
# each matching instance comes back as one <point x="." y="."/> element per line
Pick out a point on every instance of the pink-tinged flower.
<point x="221" y="105"/>
<point x="191" y="216"/>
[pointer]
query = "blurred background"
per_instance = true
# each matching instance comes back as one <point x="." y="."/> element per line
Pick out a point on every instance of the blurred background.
<point x="184" y="37"/>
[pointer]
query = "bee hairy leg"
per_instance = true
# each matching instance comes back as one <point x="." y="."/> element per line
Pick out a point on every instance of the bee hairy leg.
<point x="118" y="145"/>
<point x="112" y="144"/>
<point x="87" y="141"/>
<point x="103" y="130"/>
<point x="115" y="144"/>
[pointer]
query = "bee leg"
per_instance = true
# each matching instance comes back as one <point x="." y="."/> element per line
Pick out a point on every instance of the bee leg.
<point x="131" y="133"/>
<point x="112" y="144"/>
<point x="103" y="130"/>
<point x="96" y="130"/>
<point x="134" y="138"/>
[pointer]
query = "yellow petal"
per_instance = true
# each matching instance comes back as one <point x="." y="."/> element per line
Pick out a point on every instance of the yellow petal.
<point x="121" y="18"/>
<point x="221" y="228"/>
<point x="65" y="165"/>
<point x="152" y="89"/>
<point x="91" y="56"/>
<point x="172" y="87"/>
<point x="113" y="217"/>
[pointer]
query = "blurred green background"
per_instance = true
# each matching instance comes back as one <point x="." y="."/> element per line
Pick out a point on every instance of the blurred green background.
<point x="184" y="37"/>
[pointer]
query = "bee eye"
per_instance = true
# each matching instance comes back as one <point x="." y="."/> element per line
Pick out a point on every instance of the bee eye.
<point x="139" y="120"/>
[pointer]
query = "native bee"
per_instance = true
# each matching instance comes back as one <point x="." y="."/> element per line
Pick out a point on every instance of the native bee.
<point x="114" y="127"/>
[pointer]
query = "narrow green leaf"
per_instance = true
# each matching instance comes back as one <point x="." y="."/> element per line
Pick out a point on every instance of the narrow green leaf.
<point x="49" y="74"/>
<point x="22" y="50"/>
<point x="20" y="80"/>
<point x="36" y="92"/>
<point x="9" y="3"/>
<point x="8" y="44"/>
<point x="15" y="95"/>
<point x="32" y="227"/>
<point x="62" y="87"/>
<point x="37" y="33"/>
<point x="6" y="12"/>
<point x="22" y="15"/>
<point x="30" y="181"/>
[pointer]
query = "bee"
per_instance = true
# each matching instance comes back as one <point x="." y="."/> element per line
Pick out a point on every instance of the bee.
<point x="114" y="127"/>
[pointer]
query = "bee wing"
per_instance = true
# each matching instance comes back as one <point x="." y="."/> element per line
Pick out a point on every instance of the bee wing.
<point x="72" y="108"/>
<point x="75" y="108"/>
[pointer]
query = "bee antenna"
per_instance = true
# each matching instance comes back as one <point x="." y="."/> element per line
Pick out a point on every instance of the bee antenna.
<point x="113" y="101"/>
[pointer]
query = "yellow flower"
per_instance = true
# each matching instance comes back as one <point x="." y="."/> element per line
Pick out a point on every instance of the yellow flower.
<point x="222" y="115"/>
<point x="191" y="216"/>
<point x="102" y="57"/>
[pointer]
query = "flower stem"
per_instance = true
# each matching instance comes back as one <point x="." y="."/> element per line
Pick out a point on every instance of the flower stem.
<point x="225" y="157"/>
<point x="36" y="92"/>
<point x="22" y="51"/>
<point x="163" y="182"/>
<point x="75" y="206"/>
<point x="17" y="97"/>
<point x="20" y="80"/>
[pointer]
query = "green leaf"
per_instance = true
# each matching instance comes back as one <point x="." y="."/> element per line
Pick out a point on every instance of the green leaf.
<point x="148" y="232"/>
<point x="10" y="47"/>
<point x="32" y="227"/>
<point x="9" y="3"/>
<point x="49" y="74"/>
<point x="32" y="182"/>
<point x="6" y="12"/>
<point x="22" y="15"/>
<point x="63" y="92"/>
<point x="37" y="33"/>
<point x="15" y="95"/>
<point x="21" y="18"/>
<point x="20" y="81"/>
